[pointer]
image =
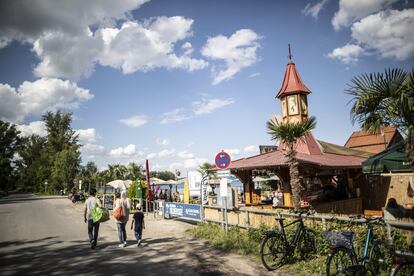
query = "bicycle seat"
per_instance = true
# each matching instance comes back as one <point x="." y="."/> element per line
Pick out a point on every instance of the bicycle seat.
<point x="279" y="218"/>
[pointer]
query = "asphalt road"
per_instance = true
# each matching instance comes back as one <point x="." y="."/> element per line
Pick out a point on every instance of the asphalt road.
<point x="47" y="236"/>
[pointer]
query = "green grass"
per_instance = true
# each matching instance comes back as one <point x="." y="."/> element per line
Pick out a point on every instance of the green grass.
<point x="247" y="242"/>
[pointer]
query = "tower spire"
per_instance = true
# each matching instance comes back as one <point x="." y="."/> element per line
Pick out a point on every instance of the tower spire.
<point x="290" y="54"/>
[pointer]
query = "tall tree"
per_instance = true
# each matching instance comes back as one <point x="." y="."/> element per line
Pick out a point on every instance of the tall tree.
<point x="9" y="144"/>
<point x="89" y="175"/>
<point x="117" y="171"/>
<point x="289" y="134"/>
<point x="135" y="171"/>
<point x="31" y="164"/>
<point x="384" y="99"/>
<point x="203" y="168"/>
<point x="63" y="149"/>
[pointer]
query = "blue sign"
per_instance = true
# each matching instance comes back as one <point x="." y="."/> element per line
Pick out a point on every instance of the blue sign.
<point x="222" y="160"/>
<point x="181" y="210"/>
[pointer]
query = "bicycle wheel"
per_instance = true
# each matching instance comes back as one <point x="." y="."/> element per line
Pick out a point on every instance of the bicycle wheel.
<point x="377" y="261"/>
<point x="307" y="244"/>
<point x="339" y="261"/>
<point x="272" y="251"/>
<point x="404" y="269"/>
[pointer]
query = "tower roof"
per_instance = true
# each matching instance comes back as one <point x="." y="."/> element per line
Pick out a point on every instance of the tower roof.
<point x="292" y="83"/>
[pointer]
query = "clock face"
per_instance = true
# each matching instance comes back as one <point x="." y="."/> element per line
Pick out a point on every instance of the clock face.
<point x="292" y="105"/>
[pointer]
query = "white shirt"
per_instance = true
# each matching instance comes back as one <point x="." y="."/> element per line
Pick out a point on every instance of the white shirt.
<point x="89" y="204"/>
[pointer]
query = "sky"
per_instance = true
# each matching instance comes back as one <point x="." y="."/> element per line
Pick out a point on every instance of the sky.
<point x="176" y="82"/>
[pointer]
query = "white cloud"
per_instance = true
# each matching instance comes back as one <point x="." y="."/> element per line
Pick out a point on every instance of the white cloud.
<point x="24" y="22"/>
<point x="151" y="155"/>
<point x="352" y="10"/>
<point x="177" y="115"/>
<point x="251" y="148"/>
<point x="35" y="98"/>
<point x="315" y="9"/>
<point x="232" y="152"/>
<point x="162" y="141"/>
<point x="37" y="127"/>
<point x="88" y="135"/>
<point x="148" y="46"/>
<point x="127" y="151"/>
<point x="93" y="149"/>
<point x="175" y="165"/>
<point x="254" y="75"/>
<point x="347" y="54"/>
<point x="185" y="155"/>
<point x="71" y="37"/>
<point x="67" y="56"/>
<point x="237" y="52"/>
<point x="389" y="33"/>
<point x="135" y="121"/>
<point x="206" y="106"/>
<point x="165" y="153"/>
<point x="193" y="162"/>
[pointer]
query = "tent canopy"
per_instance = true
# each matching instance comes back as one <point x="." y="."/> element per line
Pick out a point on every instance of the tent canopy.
<point x="393" y="159"/>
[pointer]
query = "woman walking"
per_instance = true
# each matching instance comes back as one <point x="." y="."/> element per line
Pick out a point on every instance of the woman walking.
<point x="122" y="202"/>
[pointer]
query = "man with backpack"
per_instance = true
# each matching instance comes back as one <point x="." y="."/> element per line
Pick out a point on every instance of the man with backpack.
<point x="93" y="227"/>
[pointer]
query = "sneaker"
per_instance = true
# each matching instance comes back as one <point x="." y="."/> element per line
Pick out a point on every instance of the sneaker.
<point x="122" y="245"/>
<point x="138" y="243"/>
<point x="92" y="244"/>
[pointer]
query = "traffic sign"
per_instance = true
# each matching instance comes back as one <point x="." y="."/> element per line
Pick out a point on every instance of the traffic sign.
<point x="222" y="160"/>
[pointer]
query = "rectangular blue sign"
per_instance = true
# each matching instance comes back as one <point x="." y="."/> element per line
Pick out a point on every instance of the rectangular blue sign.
<point x="181" y="210"/>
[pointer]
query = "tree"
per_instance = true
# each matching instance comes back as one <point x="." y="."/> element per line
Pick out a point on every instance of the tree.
<point x="90" y="176"/>
<point x="135" y="171"/>
<point x="10" y="142"/>
<point x="117" y="171"/>
<point x="203" y="168"/>
<point x="387" y="98"/>
<point x="289" y="134"/>
<point x="164" y="175"/>
<point x="63" y="149"/>
<point x="31" y="164"/>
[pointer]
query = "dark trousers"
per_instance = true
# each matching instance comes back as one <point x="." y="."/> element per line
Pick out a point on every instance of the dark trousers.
<point x="138" y="232"/>
<point x="93" y="231"/>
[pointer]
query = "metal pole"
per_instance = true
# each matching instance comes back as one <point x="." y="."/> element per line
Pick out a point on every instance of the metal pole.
<point x="225" y="213"/>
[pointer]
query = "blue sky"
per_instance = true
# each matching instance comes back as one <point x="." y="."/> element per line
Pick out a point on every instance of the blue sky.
<point x="178" y="81"/>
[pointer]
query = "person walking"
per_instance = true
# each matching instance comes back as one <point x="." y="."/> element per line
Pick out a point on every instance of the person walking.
<point x="122" y="201"/>
<point x="138" y="223"/>
<point x="93" y="227"/>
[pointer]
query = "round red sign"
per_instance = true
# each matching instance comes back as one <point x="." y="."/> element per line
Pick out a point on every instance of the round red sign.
<point x="222" y="160"/>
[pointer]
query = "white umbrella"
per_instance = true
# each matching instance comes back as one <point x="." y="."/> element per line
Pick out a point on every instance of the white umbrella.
<point x="157" y="181"/>
<point x="120" y="184"/>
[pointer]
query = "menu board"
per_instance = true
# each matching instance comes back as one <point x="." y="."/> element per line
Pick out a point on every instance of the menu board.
<point x="109" y="202"/>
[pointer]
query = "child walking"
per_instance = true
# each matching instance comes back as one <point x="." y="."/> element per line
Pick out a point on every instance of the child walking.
<point x="138" y="222"/>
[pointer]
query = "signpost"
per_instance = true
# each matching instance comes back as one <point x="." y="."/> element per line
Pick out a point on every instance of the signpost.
<point x="223" y="161"/>
<point x="182" y="210"/>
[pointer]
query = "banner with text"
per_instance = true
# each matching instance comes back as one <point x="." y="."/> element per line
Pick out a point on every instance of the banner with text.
<point x="182" y="210"/>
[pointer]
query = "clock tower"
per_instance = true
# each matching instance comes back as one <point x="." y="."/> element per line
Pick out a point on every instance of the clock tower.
<point x="293" y="95"/>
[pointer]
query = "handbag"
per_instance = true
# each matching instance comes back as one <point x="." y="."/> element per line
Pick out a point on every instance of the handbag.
<point x="118" y="213"/>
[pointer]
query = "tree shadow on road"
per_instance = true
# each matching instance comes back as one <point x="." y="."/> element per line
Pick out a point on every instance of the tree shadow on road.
<point x="52" y="256"/>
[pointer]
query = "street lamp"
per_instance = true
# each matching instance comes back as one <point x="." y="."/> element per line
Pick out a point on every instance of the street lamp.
<point x="45" y="185"/>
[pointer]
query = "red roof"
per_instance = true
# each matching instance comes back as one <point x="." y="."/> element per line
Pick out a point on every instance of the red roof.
<point x="374" y="143"/>
<point x="278" y="159"/>
<point x="292" y="83"/>
<point x="306" y="144"/>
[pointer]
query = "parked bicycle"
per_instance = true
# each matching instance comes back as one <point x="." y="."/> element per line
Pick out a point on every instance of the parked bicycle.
<point x="277" y="249"/>
<point x="343" y="260"/>
<point x="404" y="263"/>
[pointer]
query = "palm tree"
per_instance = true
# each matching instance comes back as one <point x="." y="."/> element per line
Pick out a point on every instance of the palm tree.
<point x="384" y="99"/>
<point x="135" y="171"/>
<point x="289" y="134"/>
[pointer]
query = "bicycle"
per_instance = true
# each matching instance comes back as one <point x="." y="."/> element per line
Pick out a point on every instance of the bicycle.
<point x="404" y="263"/>
<point x="342" y="258"/>
<point x="276" y="248"/>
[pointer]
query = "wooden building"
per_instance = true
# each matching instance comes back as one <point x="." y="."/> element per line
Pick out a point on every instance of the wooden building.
<point x="331" y="175"/>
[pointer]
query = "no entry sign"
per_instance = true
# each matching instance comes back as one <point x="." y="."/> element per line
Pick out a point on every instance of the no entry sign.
<point x="222" y="160"/>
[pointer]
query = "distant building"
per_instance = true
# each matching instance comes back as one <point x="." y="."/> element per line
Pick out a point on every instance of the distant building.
<point x="374" y="143"/>
<point x="266" y="148"/>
